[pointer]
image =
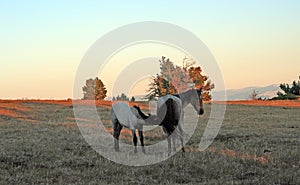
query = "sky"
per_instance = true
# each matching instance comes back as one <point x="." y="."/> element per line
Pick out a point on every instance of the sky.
<point x="255" y="43"/>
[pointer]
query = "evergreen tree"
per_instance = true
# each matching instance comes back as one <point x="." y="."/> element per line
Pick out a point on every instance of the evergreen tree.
<point x="132" y="99"/>
<point x="290" y="92"/>
<point x="293" y="89"/>
<point x="123" y="97"/>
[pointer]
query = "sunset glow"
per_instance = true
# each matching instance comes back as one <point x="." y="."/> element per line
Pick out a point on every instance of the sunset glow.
<point x="256" y="43"/>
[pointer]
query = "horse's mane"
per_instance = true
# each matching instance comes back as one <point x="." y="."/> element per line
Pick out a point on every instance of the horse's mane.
<point x="187" y="91"/>
<point x="140" y="112"/>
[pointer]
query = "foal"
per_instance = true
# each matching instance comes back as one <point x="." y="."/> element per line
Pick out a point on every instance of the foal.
<point x="130" y="117"/>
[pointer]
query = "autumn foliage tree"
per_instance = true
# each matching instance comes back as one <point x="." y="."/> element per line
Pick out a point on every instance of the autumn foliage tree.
<point x="201" y="81"/>
<point x="174" y="79"/>
<point x="94" y="89"/>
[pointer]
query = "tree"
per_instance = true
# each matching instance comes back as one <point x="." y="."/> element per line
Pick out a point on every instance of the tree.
<point x="174" y="79"/>
<point x="201" y="81"/>
<point x="123" y="97"/>
<point x="132" y="99"/>
<point x="94" y="89"/>
<point x="160" y="87"/>
<point x="253" y="95"/>
<point x="290" y="92"/>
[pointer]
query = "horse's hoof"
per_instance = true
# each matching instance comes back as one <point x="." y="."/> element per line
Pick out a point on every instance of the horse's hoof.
<point x="143" y="150"/>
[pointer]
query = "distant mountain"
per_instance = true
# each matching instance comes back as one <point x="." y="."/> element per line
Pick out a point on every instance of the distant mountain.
<point x="244" y="93"/>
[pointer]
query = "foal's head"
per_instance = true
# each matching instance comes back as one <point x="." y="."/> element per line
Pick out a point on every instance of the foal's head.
<point x="140" y="114"/>
<point x="196" y="100"/>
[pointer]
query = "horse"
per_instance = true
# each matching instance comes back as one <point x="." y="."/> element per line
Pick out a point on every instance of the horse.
<point x="170" y="113"/>
<point x="193" y="97"/>
<point x="168" y="116"/>
<point x="131" y="117"/>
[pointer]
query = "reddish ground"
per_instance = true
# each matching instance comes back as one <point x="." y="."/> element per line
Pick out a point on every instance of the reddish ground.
<point x="16" y="108"/>
<point x="13" y="108"/>
<point x="69" y="102"/>
<point x="277" y="103"/>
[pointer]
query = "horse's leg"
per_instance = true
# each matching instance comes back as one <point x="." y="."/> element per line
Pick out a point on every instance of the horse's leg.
<point x="169" y="144"/>
<point x="134" y="140"/>
<point x="116" y="133"/>
<point x="142" y="140"/>
<point x="173" y="137"/>
<point x="181" y="137"/>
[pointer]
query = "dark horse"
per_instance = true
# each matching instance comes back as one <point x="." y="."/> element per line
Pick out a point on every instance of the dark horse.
<point x="130" y="117"/>
<point x="170" y="113"/>
<point x="170" y="121"/>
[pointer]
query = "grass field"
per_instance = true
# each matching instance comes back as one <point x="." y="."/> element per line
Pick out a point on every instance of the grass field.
<point x="41" y="144"/>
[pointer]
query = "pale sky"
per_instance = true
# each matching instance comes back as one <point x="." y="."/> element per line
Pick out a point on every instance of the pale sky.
<point x="256" y="43"/>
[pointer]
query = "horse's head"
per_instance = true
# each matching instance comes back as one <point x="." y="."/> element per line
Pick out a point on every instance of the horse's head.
<point x="196" y="101"/>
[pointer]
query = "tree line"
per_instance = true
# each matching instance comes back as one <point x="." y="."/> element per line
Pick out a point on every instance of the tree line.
<point x="172" y="79"/>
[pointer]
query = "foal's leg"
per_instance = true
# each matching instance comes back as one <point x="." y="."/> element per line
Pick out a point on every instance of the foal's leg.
<point x="142" y="140"/>
<point x="116" y="133"/>
<point x="134" y="140"/>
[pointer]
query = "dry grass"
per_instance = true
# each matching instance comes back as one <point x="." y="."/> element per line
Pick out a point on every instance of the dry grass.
<point x="276" y="103"/>
<point x="41" y="144"/>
